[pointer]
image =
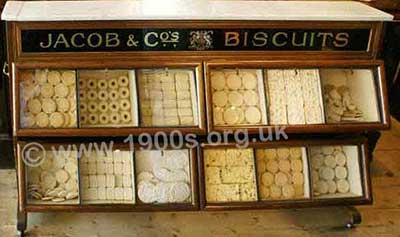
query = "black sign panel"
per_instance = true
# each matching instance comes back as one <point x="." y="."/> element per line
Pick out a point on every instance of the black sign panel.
<point x="106" y="40"/>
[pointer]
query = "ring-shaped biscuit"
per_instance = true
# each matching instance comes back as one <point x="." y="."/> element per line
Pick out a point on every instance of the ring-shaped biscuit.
<point x="123" y="92"/>
<point x="123" y="81"/>
<point x="115" y="118"/>
<point x="125" y="104"/>
<point x="93" y="119"/>
<point x="113" y="83"/>
<point x="82" y="84"/>
<point x="83" y="119"/>
<point x="103" y="107"/>
<point x="102" y="84"/>
<point x="113" y="95"/>
<point x="125" y="117"/>
<point x="92" y="84"/>
<point x="103" y="118"/>
<point x="103" y="95"/>
<point x="92" y="95"/>
<point x="83" y="107"/>
<point x="114" y="106"/>
<point x="92" y="107"/>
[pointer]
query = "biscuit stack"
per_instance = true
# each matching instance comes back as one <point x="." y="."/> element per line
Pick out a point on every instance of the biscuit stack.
<point x="229" y="175"/>
<point x="280" y="173"/>
<point x="167" y="98"/>
<point x="294" y="97"/>
<point x="107" y="178"/>
<point x="55" y="180"/>
<point x="339" y="105"/>
<point x="105" y="99"/>
<point x="329" y="170"/>
<point x="163" y="176"/>
<point x="237" y="98"/>
<point x="48" y="99"/>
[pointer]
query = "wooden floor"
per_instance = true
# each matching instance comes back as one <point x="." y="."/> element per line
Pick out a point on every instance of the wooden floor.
<point x="380" y="219"/>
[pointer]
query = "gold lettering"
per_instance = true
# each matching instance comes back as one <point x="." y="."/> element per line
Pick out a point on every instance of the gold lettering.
<point x="232" y="39"/>
<point x="312" y="39"/>
<point x="246" y="35"/>
<point x="147" y="39"/>
<point x="303" y="43"/>
<point x="112" y="40"/>
<point x="275" y="37"/>
<point x="341" y="40"/>
<point x="73" y="40"/>
<point x="48" y="43"/>
<point x="324" y="37"/>
<point x="61" y="40"/>
<point x="260" y="39"/>
<point x="90" y="40"/>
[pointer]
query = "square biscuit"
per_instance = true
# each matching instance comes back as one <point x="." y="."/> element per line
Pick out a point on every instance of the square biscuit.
<point x="211" y="193"/>
<point x="214" y="157"/>
<point x="213" y="175"/>
<point x="248" y="192"/>
<point x="228" y="192"/>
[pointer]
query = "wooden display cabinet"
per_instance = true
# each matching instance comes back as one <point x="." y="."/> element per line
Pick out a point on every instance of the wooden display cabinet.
<point x="136" y="51"/>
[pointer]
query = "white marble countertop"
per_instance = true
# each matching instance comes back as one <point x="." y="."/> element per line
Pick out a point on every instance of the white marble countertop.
<point x="190" y="10"/>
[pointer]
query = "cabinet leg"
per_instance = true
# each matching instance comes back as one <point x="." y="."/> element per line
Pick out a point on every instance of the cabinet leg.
<point x="22" y="219"/>
<point x="354" y="217"/>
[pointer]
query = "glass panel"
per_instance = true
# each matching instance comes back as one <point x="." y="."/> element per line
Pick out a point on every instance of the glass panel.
<point x="238" y="97"/>
<point x="107" y="98"/>
<point x="48" y="99"/>
<point x="167" y="98"/>
<point x="230" y="175"/>
<point x="349" y="95"/>
<point x="282" y="173"/>
<point x="163" y="176"/>
<point x="294" y="96"/>
<point x="54" y="180"/>
<point x="107" y="177"/>
<point x="336" y="171"/>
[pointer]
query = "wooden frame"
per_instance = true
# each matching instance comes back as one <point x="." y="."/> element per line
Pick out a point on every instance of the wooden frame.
<point x="380" y="82"/>
<point x="24" y="206"/>
<point x="107" y="131"/>
<point x="366" y="198"/>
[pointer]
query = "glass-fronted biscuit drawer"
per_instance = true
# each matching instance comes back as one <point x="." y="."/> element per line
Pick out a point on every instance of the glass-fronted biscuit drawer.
<point x="289" y="173"/>
<point x="47" y="99"/>
<point x="96" y="101"/>
<point x="101" y="174"/>
<point x="302" y="96"/>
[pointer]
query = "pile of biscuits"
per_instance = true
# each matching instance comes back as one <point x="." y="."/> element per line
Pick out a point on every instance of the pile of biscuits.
<point x="107" y="178"/>
<point x="236" y="97"/>
<point x="48" y="99"/>
<point x="163" y="176"/>
<point x="280" y="173"/>
<point x="167" y="98"/>
<point x="56" y="179"/>
<point x="105" y="99"/>
<point x="294" y="97"/>
<point x="229" y="175"/>
<point x="329" y="170"/>
<point x="339" y="105"/>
